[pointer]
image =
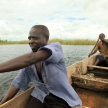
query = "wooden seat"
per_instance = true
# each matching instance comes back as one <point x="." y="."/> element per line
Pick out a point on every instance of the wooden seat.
<point x="98" y="70"/>
<point x="98" y="67"/>
<point x="90" y="82"/>
<point x="81" y="107"/>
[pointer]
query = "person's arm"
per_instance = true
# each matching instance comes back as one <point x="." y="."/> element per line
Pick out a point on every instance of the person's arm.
<point x="24" y="61"/>
<point x="92" y="53"/>
<point x="95" y="50"/>
<point x="20" y="82"/>
<point x="10" y="94"/>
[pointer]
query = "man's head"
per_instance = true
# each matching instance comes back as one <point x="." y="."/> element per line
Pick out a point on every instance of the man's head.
<point x="38" y="37"/>
<point x="101" y="36"/>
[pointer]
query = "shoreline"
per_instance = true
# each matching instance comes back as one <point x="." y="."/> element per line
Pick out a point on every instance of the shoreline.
<point x="61" y="41"/>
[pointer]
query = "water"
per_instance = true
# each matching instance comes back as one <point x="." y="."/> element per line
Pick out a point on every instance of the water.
<point x="72" y="54"/>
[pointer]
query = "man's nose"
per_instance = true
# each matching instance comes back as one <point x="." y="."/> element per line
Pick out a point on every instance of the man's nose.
<point x="31" y="40"/>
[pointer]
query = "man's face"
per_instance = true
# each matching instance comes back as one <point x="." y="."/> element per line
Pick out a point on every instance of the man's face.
<point x="37" y="39"/>
<point x="101" y="36"/>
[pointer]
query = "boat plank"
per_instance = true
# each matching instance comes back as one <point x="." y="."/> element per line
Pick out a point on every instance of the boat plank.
<point x="98" y="67"/>
<point x="91" y="83"/>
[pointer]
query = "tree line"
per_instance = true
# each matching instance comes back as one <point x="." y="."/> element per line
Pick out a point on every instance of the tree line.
<point x="63" y="42"/>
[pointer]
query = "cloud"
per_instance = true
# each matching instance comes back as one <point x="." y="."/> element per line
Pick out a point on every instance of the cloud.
<point x="66" y="19"/>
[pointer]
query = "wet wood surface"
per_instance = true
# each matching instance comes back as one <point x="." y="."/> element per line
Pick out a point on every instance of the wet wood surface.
<point x="93" y="99"/>
<point x="90" y="82"/>
<point x="99" y="72"/>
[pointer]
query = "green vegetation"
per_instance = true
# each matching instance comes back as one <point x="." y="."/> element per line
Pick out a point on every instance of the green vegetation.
<point x="2" y="42"/>
<point x="74" y="42"/>
<point x="63" y="42"/>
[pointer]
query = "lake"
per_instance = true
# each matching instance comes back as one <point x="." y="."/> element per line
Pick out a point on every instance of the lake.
<point x="72" y="53"/>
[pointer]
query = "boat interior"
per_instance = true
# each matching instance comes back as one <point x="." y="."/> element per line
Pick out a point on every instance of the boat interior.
<point x="90" y="84"/>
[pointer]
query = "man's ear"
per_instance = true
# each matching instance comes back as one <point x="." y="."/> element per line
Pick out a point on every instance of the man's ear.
<point x="46" y="37"/>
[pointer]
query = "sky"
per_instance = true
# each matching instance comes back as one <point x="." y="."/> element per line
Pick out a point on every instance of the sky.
<point x="65" y="19"/>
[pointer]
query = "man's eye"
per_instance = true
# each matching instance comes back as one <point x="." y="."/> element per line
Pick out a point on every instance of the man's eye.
<point x="35" y="38"/>
<point x="28" y="38"/>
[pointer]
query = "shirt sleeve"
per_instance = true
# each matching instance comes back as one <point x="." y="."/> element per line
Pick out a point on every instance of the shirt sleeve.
<point x="21" y="80"/>
<point x="56" y="52"/>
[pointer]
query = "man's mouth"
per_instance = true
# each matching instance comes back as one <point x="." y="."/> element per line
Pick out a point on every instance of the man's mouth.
<point x="33" y="45"/>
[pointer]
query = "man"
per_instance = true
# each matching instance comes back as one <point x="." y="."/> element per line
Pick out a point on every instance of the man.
<point x="102" y="47"/>
<point x="45" y="66"/>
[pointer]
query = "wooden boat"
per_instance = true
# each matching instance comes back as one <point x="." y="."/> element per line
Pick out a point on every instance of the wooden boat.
<point x="92" y="88"/>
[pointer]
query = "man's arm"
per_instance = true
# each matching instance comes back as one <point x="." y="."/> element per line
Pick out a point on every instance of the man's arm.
<point x="95" y="50"/>
<point x="92" y="53"/>
<point x="10" y="94"/>
<point x="24" y="61"/>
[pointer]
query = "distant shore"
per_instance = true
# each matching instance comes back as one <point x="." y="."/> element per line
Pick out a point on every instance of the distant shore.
<point x="63" y="42"/>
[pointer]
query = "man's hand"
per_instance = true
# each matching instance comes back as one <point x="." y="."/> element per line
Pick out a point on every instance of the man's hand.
<point x="10" y="94"/>
<point x="89" y="55"/>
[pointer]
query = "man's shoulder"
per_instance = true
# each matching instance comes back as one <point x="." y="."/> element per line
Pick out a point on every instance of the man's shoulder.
<point x="55" y="45"/>
<point x="106" y="40"/>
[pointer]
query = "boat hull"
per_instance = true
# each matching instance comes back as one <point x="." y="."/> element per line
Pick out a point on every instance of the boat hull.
<point x="19" y="101"/>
